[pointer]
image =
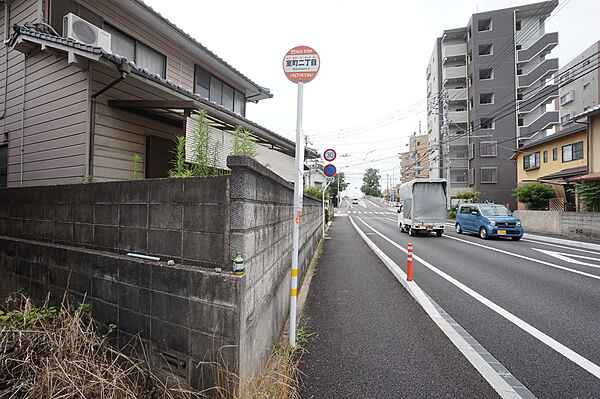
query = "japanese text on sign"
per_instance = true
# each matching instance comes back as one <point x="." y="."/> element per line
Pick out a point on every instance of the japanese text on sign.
<point x="301" y="64"/>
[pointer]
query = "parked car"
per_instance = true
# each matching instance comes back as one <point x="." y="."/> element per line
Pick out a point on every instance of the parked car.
<point x="354" y="201"/>
<point x="488" y="220"/>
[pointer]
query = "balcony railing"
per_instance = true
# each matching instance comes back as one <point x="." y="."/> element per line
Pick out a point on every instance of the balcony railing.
<point x="454" y="50"/>
<point x="544" y="45"/>
<point x="544" y="96"/>
<point x="459" y="72"/>
<point x="457" y="116"/>
<point x="545" y="121"/>
<point x="543" y="71"/>
<point x="457" y="94"/>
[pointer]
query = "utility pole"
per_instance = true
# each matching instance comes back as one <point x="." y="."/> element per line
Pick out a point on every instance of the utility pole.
<point x="446" y="151"/>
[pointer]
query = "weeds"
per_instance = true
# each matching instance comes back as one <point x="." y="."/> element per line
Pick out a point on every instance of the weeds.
<point x="135" y="166"/>
<point x="243" y="142"/>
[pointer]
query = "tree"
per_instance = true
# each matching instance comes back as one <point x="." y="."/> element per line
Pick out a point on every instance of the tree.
<point x="588" y="195"/>
<point x="371" y="183"/>
<point x="534" y="195"/>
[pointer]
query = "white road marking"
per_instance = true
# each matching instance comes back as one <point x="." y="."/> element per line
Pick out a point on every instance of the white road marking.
<point x="570" y="354"/>
<point x="543" y="262"/>
<point x="560" y="246"/>
<point x="569" y="257"/>
<point x="499" y="384"/>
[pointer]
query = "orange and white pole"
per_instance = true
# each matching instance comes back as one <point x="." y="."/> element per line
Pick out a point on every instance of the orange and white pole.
<point x="409" y="262"/>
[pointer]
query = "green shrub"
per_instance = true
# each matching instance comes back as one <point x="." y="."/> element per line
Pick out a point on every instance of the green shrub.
<point x="534" y="195"/>
<point x="243" y="143"/>
<point x="326" y="215"/>
<point x="314" y="191"/>
<point x="136" y="163"/>
<point x="470" y="196"/>
<point x="588" y="195"/>
<point x="452" y="212"/>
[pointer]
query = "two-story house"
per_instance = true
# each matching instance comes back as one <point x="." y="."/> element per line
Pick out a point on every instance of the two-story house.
<point x="84" y="85"/>
<point x="556" y="160"/>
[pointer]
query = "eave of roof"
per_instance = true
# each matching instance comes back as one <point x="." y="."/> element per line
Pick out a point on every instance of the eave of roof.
<point x="592" y="111"/>
<point x="117" y="60"/>
<point x="261" y="89"/>
<point x="560" y="134"/>
<point x="569" y="172"/>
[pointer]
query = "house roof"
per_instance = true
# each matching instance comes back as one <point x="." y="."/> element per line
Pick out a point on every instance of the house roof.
<point x="262" y="90"/>
<point x="258" y="130"/>
<point x="560" y="134"/>
<point x="591" y="111"/>
<point x="569" y="172"/>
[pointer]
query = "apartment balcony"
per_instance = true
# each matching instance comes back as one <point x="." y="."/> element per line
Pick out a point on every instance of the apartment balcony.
<point x="457" y="94"/>
<point x="544" y="96"/>
<point x="454" y="51"/>
<point x="545" y="121"/>
<point x="454" y="73"/>
<point x="458" y="117"/>
<point x="541" y="72"/>
<point x="544" y="45"/>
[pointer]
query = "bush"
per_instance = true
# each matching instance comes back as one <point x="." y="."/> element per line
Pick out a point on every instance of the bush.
<point x="452" y="212"/>
<point x="314" y="191"/>
<point x="326" y="215"/>
<point x="588" y="195"/>
<point x="470" y="196"/>
<point x="534" y="195"/>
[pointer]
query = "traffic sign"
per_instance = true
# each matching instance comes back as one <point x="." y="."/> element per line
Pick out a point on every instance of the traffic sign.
<point x="329" y="155"/>
<point x="301" y="64"/>
<point x="329" y="170"/>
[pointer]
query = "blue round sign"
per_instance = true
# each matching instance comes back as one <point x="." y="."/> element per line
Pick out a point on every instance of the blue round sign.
<point x="329" y="170"/>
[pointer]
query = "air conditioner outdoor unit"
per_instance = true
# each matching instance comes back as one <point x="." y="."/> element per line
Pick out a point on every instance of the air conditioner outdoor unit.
<point x="81" y="30"/>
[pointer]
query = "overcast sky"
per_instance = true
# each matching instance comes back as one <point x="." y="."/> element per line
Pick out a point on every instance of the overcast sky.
<point x="369" y="95"/>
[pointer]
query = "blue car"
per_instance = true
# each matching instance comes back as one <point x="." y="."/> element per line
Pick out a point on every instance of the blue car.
<point x="488" y="220"/>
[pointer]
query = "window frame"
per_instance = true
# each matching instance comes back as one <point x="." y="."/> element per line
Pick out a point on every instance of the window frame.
<point x="491" y="47"/>
<point x="555" y="154"/>
<point x="572" y="149"/>
<point x="492" y="123"/>
<point x="494" y="181"/>
<point x="236" y="93"/>
<point x="491" y="71"/>
<point x="527" y="165"/>
<point x="490" y="144"/>
<point x="136" y="44"/>
<point x="485" y="20"/>
<point x="545" y="156"/>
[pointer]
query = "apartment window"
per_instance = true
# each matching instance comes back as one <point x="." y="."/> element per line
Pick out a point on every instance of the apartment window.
<point x="485" y="49"/>
<point x="489" y="175"/>
<point x="520" y="122"/>
<point x="484" y="25"/>
<point x="518" y="47"/>
<point x="586" y="86"/>
<point x="519" y="72"/>
<point x="486" y="73"/>
<point x="555" y="154"/>
<point x="488" y="149"/>
<point x="545" y="154"/>
<point x="572" y="152"/>
<point x="565" y="119"/>
<point x="221" y="93"/>
<point x="566" y="98"/>
<point x="136" y="51"/>
<point x="486" y="98"/>
<point x="3" y="165"/>
<point x="531" y="161"/>
<point x="487" y="123"/>
<point x="518" y="25"/>
<point x="520" y="96"/>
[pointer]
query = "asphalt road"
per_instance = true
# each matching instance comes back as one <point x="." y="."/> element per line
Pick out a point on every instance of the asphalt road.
<point x="533" y="306"/>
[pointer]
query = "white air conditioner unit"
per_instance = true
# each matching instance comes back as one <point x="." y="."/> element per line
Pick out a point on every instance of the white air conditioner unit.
<point x="81" y="30"/>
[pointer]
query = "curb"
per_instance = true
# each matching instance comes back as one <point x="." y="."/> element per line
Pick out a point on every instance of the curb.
<point x="579" y="244"/>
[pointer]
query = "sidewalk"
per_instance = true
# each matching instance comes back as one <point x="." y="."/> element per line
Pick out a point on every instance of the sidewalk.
<point x="371" y="339"/>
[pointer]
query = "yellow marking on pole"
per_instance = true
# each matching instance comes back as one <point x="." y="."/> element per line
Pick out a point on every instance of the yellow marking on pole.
<point x="293" y="292"/>
<point x="294" y="272"/>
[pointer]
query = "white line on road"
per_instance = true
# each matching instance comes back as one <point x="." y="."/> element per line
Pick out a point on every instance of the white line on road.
<point x="493" y="377"/>
<point x="569" y="257"/>
<point x="570" y="354"/>
<point x="543" y="262"/>
<point x="560" y="246"/>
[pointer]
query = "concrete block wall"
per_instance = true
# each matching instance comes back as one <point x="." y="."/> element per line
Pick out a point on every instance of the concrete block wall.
<point x="569" y="224"/>
<point x="74" y="237"/>
<point x="261" y="230"/>
<point x="180" y="219"/>
<point x="184" y="314"/>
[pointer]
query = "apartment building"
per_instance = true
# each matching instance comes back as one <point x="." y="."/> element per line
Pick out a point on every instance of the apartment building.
<point x="580" y="85"/>
<point x="85" y="85"/>
<point x="414" y="162"/>
<point x="488" y="91"/>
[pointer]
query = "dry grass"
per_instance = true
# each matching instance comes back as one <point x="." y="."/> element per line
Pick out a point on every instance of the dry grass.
<point x="53" y="353"/>
<point x="58" y="354"/>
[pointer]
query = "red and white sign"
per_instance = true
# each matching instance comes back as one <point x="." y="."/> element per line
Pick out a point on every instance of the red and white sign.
<point x="301" y="64"/>
<point x="329" y="155"/>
